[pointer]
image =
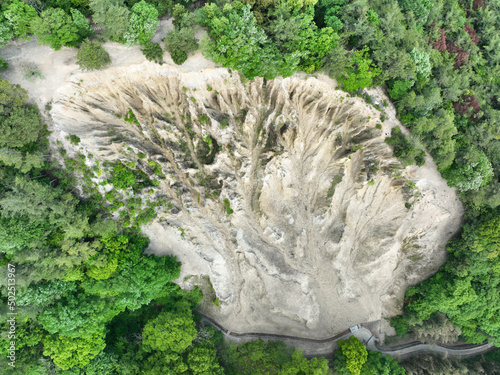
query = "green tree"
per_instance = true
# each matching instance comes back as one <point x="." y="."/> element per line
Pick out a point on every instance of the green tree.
<point x="420" y="8"/>
<point x="20" y="122"/>
<point x="111" y="15"/>
<point x="92" y="55"/>
<point x="170" y="331"/>
<point x="379" y="364"/>
<point x="360" y="72"/>
<point x="352" y="355"/>
<point x="102" y="364"/>
<point x="44" y="294"/>
<point x="153" y="52"/>
<point x="143" y="23"/>
<point x="202" y="359"/>
<point x="297" y="33"/>
<point x="67" y="352"/>
<point x="337" y="62"/>
<point x="56" y="28"/>
<point x="19" y="15"/>
<point x="81" y="23"/>
<point x="238" y="42"/>
<point x="137" y="283"/>
<point x="23" y="161"/>
<point x="470" y="170"/>
<point x="6" y="33"/>
<point x="422" y="61"/>
<point x="78" y="315"/>
<point x="400" y="88"/>
<point x="329" y="13"/>
<point x="179" y="43"/>
<point x="44" y="204"/>
<point x="465" y="289"/>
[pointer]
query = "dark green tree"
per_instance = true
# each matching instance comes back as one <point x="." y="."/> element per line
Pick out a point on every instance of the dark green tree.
<point x="153" y="52"/>
<point x="179" y="43"/>
<point x="92" y="55"/>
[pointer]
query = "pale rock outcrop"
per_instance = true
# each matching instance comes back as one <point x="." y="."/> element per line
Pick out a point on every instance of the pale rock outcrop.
<point x="328" y="229"/>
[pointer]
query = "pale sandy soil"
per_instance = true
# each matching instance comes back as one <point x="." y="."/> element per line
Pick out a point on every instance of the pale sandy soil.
<point x="58" y="67"/>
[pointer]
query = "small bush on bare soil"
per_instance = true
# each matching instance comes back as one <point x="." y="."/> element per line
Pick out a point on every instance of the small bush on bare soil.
<point x="92" y="56"/>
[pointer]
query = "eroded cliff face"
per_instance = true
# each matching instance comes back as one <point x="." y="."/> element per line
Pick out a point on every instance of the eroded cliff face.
<point x="287" y="196"/>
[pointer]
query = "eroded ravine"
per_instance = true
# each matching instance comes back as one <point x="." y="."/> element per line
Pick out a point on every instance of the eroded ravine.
<point x="327" y="230"/>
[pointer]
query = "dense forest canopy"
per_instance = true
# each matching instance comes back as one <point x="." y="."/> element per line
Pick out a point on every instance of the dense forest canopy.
<point x="91" y="301"/>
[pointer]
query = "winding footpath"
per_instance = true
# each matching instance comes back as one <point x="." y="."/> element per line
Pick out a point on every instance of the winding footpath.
<point x="325" y="347"/>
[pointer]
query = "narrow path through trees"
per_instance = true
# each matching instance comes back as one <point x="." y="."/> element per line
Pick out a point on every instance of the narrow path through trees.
<point x="325" y="347"/>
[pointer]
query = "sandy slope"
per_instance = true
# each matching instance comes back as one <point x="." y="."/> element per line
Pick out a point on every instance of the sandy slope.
<point x="59" y="66"/>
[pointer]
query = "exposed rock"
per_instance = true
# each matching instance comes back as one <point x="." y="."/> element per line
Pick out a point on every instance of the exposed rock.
<point x="328" y="229"/>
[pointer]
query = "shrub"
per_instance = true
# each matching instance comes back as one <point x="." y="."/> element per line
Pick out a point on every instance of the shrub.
<point x="153" y="52"/>
<point x="31" y="71"/>
<point x="405" y="149"/>
<point x="400" y="324"/>
<point x="3" y="65"/>
<point x="92" y="56"/>
<point x="227" y="206"/>
<point x="74" y="139"/>
<point x="179" y="43"/>
<point x="179" y="57"/>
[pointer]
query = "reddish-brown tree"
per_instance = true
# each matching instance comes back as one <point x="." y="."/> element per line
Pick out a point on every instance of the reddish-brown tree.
<point x="472" y="33"/>
<point x="469" y="106"/>
<point x="478" y="4"/>
<point x="440" y="44"/>
<point x="462" y="56"/>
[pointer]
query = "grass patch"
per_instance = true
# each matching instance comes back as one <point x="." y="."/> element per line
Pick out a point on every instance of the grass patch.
<point x="227" y="206"/>
<point x="130" y="117"/>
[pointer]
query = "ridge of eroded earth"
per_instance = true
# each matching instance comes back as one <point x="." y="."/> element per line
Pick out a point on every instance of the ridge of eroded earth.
<point x="327" y="229"/>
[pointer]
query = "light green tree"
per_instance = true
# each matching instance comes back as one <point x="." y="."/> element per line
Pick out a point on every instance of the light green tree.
<point x="19" y="15"/>
<point x="164" y="363"/>
<point x="353" y="355"/>
<point x="170" y="331"/>
<point x="203" y="360"/>
<point x="421" y="60"/>
<point x="67" y="352"/>
<point x="360" y="72"/>
<point x="143" y="23"/>
<point x="299" y="365"/>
